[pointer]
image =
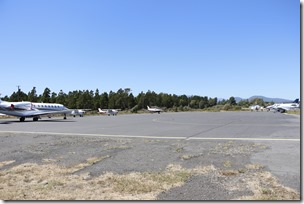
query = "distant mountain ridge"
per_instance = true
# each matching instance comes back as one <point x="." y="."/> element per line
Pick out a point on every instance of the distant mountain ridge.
<point x="265" y="99"/>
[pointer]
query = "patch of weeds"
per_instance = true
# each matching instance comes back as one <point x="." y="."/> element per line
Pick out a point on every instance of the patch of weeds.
<point x="89" y="162"/>
<point x="265" y="186"/>
<point x="232" y="148"/>
<point x="169" y="178"/>
<point x="53" y="184"/>
<point x="179" y="149"/>
<point x="254" y="166"/>
<point x="227" y="164"/>
<point x="229" y="173"/>
<point x="187" y="157"/>
<point x="265" y="191"/>
<point x="242" y="171"/>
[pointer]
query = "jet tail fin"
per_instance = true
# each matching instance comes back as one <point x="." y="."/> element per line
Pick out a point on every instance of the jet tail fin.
<point x="296" y="101"/>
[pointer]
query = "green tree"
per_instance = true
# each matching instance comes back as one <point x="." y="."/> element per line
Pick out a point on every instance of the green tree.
<point x="112" y="96"/>
<point x="257" y="101"/>
<point x="72" y="98"/>
<point x="232" y="101"/>
<point x="203" y="102"/>
<point x="193" y="104"/>
<point x="32" y="96"/>
<point x="104" y="100"/>
<point x="244" y="103"/>
<point x="222" y="102"/>
<point x="131" y="101"/>
<point x="212" y="102"/>
<point x="53" y="97"/>
<point x="183" y="100"/>
<point x="61" y="98"/>
<point x="18" y="96"/>
<point x="96" y="100"/>
<point x="46" y="97"/>
<point x="140" y="101"/>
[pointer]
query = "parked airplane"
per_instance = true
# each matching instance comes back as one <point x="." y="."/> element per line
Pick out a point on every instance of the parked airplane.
<point x="255" y="108"/>
<point x="26" y="109"/>
<point x="79" y="112"/>
<point x="154" y="110"/>
<point x="108" y="111"/>
<point x="283" y="107"/>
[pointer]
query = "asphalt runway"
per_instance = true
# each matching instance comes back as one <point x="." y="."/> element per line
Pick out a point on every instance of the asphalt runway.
<point x="192" y="126"/>
<point x="196" y="131"/>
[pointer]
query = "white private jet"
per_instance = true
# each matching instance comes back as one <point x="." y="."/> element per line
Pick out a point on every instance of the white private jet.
<point x="154" y="110"/>
<point x="283" y="107"/>
<point x="108" y="111"/>
<point x="26" y="109"/>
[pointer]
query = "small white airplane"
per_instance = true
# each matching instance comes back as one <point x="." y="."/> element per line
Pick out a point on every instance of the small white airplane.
<point x="283" y="107"/>
<point x="108" y="111"/>
<point x="255" y="108"/>
<point x="26" y="109"/>
<point x="79" y="112"/>
<point x="154" y="110"/>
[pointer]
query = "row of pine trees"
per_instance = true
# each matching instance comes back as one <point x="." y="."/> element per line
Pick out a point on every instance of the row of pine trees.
<point x="124" y="99"/>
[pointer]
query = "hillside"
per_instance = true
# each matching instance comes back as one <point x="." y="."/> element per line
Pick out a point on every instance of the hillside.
<point x="266" y="99"/>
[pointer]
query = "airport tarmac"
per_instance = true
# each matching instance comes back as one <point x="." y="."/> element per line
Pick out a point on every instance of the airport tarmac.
<point x="151" y="142"/>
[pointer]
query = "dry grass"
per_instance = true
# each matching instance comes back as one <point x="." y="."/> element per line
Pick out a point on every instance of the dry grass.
<point x="190" y="156"/>
<point x="232" y="148"/>
<point x="52" y="182"/>
<point x="229" y="172"/>
<point x="266" y="187"/>
<point x="4" y="163"/>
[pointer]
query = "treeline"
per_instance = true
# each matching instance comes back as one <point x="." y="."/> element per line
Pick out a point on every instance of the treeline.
<point x="124" y="99"/>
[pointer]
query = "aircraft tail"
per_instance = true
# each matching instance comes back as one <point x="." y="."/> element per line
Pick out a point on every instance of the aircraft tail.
<point x="296" y="101"/>
<point x="148" y="107"/>
<point x="99" y="110"/>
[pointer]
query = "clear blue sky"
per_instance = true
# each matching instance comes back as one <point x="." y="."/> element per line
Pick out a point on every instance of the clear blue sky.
<point x="210" y="48"/>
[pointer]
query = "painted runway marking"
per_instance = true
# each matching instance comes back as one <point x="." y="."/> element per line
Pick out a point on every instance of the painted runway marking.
<point x="152" y="137"/>
<point x="233" y="123"/>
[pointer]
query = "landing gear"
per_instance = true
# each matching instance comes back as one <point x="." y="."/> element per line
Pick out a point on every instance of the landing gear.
<point x="22" y="119"/>
<point x="35" y="118"/>
<point x="64" y="117"/>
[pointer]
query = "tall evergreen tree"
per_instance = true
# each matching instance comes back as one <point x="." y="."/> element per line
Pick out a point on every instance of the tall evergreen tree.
<point x="32" y="96"/>
<point x="46" y="97"/>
